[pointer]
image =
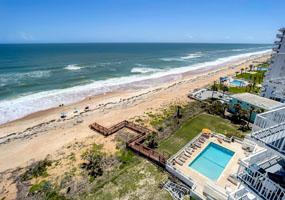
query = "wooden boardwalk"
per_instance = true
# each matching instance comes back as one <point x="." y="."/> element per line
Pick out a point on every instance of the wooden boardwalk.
<point x="123" y="124"/>
<point x="136" y="144"/>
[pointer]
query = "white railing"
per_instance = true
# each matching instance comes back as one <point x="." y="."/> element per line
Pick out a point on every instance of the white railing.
<point x="273" y="137"/>
<point x="279" y="35"/>
<point x="261" y="184"/>
<point x="258" y="158"/>
<point x="178" y="174"/>
<point x="277" y="42"/>
<point x="269" y="118"/>
<point x="275" y="49"/>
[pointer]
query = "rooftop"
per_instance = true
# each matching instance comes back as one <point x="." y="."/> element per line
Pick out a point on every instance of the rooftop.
<point x="258" y="101"/>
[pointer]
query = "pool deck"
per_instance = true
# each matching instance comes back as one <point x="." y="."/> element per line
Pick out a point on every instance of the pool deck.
<point x="230" y="168"/>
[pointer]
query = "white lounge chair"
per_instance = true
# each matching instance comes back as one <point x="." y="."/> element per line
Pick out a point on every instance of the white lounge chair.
<point x="197" y="144"/>
<point x="187" y="154"/>
<point x="179" y="162"/>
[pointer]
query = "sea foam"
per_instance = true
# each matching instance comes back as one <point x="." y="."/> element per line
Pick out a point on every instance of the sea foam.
<point x="10" y="78"/>
<point x="73" y="67"/>
<point x="22" y="106"/>
<point x="192" y="55"/>
<point x="144" y="70"/>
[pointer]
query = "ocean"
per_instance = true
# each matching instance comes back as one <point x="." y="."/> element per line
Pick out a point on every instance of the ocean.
<point x="35" y="77"/>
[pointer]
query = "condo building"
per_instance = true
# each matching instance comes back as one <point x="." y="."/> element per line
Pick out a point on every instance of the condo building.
<point x="274" y="82"/>
<point x="262" y="174"/>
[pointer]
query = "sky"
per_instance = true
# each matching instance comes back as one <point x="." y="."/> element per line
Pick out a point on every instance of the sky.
<point x="214" y="21"/>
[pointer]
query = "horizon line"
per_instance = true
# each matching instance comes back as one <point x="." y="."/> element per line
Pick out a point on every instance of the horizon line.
<point x="27" y="43"/>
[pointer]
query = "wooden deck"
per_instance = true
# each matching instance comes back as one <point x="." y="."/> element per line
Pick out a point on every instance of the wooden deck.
<point x="123" y="124"/>
<point x="136" y="143"/>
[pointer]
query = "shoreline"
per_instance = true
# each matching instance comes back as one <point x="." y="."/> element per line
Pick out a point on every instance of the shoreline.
<point x="29" y="137"/>
<point x="26" y="106"/>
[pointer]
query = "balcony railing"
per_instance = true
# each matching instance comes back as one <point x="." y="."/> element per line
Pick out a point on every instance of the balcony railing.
<point x="273" y="137"/>
<point x="275" y="49"/>
<point x="277" y="42"/>
<point x="260" y="158"/>
<point x="279" y="35"/>
<point x="260" y="184"/>
<point x="269" y="118"/>
<point x="282" y="29"/>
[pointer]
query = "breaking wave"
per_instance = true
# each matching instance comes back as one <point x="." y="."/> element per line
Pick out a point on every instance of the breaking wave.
<point x="192" y="55"/>
<point x="72" y="67"/>
<point x="144" y="70"/>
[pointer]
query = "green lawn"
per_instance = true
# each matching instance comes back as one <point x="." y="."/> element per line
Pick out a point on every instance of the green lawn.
<point x="235" y="90"/>
<point x="258" y="76"/>
<point x="192" y="128"/>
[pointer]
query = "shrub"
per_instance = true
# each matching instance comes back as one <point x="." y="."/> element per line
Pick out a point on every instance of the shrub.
<point x="93" y="161"/>
<point x="125" y="156"/>
<point x="217" y="108"/>
<point x="36" y="170"/>
<point x="151" y="141"/>
<point x="45" y="190"/>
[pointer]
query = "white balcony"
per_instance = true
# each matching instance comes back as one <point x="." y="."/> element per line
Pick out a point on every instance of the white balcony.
<point x="275" y="49"/>
<point x="279" y="35"/>
<point x="272" y="137"/>
<point x="269" y="118"/>
<point x="258" y="173"/>
<point x="277" y="42"/>
<point x="261" y="185"/>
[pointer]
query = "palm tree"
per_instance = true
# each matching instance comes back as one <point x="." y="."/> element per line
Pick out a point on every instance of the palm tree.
<point x="246" y="69"/>
<point x="237" y="109"/>
<point x="249" y="87"/>
<point x="237" y="73"/>
<point x="250" y="76"/>
<point x="224" y="89"/>
<point x="214" y="88"/>
<point x="251" y="110"/>
<point x="225" y="107"/>
<point x="241" y="70"/>
<point x="178" y="112"/>
<point x="251" y="67"/>
<point x="254" y="81"/>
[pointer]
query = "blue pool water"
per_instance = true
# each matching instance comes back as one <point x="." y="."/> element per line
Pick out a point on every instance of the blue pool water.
<point x="262" y="69"/>
<point x="212" y="161"/>
<point x="237" y="83"/>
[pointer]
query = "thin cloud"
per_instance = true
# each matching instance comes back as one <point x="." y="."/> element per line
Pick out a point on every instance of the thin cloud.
<point x="26" y="36"/>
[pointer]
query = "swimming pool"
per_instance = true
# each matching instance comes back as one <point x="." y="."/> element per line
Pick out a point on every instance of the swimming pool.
<point x="212" y="161"/>
<point x="237" y="83"/>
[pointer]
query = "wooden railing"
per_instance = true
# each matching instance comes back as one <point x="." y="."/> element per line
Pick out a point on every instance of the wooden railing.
<point x="136" y="143"/>
<point x="123" y="124"/>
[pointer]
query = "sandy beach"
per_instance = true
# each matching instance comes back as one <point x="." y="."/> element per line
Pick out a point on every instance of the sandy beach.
<point x="42" y="133"/>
